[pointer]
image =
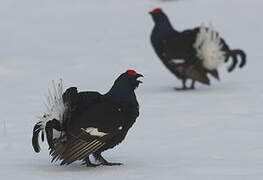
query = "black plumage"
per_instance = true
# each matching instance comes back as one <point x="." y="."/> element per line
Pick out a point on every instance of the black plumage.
<point x="91" y="122"/>
<point x="186" y="53"/>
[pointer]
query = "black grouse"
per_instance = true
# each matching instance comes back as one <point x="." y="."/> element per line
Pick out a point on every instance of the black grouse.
<point x="193" y="53"/>
<point x="80" y="124"/>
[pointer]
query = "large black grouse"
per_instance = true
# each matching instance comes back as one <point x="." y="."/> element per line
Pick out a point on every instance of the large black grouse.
<point x="80" y="124"/>
<point x="193" y="53"/>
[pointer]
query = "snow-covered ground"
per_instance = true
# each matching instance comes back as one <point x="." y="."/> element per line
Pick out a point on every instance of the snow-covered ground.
<point x="213" y="133"/>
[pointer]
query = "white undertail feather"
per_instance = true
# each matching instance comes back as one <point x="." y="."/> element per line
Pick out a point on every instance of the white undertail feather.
<point x="54" y="105"/>
<point x="209" y="47"/>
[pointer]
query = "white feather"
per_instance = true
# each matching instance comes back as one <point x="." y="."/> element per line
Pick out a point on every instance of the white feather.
<point x="94" y="132"/>
<point x="177" y="61"/>
<point x="54" y="105"/>
<point x="209" y="47"/>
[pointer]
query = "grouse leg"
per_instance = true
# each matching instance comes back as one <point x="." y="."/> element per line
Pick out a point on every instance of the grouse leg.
<point x="184" y="86"/>
<point x="88" y="163"/>
<point x="193" y="84"/>
<point x="103" y="161"/>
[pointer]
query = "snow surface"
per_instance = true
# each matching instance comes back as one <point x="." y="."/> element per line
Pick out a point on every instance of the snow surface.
<point x="213" y="133"/>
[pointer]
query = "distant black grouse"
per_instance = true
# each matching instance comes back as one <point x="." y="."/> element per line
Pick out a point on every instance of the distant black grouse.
<point x="80" y="124"/>
<point x="191" y="54"/>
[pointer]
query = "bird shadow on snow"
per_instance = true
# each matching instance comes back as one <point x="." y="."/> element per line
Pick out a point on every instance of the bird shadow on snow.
<point x="75" y="167"/>
<point x="55" y="168"/>
<point x="170" y="1"/>
<point x="44" y="166"/>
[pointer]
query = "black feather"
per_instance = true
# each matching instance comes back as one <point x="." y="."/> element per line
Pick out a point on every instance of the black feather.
<point x="42" y="136"/>
<point x="111" y="114"/>
<point x="170" y="44"/>
<point x="35" y="143"/>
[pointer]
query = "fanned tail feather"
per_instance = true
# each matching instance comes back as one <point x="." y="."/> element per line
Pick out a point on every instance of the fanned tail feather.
<point x="54" y="111"/>
<point x="234" y="54"/>
<point x="209" y="48"/>
<point x="35" y="143"/>
<point x="54" y="106"/>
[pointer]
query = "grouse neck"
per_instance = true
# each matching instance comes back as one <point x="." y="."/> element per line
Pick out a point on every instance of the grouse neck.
<point x="122" y="92"/>
<point x="163" y="22"/>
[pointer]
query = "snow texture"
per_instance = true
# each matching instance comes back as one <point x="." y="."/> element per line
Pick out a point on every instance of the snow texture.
<point x="212" y="133"/>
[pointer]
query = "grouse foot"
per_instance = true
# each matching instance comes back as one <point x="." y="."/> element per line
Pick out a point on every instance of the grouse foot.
<point x="88" y="163"/>
<point x="103" y="161"/>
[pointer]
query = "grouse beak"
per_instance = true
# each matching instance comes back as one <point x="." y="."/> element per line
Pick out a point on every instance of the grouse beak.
<point x="139" y="75"/>
<point x="150" y="13"/>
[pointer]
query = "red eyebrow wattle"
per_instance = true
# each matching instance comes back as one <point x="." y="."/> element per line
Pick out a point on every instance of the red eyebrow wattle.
<point x="156" y="11"/>
<point x="131" y="72"/>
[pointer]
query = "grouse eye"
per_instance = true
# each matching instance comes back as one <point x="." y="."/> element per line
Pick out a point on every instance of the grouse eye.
<point x="156" y="11"/>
